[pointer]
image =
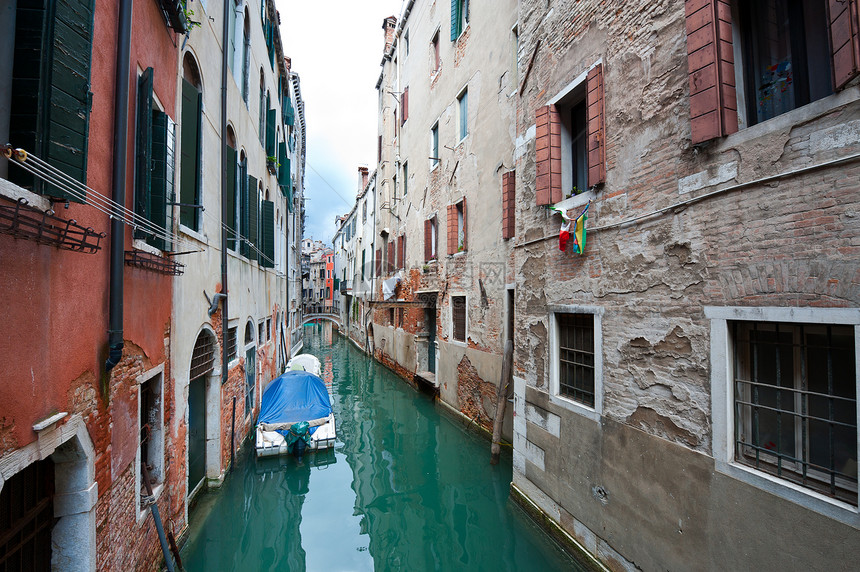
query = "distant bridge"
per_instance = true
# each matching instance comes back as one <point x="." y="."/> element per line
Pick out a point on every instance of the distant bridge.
<point x="315" y="316"/>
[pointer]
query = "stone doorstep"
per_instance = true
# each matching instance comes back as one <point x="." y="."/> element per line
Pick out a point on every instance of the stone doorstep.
<point x="427" y="377"/>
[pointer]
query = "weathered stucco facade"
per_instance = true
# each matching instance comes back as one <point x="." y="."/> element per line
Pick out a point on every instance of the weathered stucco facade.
<point x="91" y="394"/>
<point x="445" y="86"/>
<point x="687" y="243"/>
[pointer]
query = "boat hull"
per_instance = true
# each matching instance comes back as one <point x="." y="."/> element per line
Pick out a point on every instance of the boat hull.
<point x="271" y="443"/>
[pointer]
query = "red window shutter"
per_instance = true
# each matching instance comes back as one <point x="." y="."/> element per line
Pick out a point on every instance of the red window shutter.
<point x="378" y="262"/>
<point x="711" y="68"/>
<point x="452" y="229"/>
<point x="844" y="40"/>
<point x="391" y="260"/>
<point x="596" y="126"/>
<point x="379" y="150"/>
<point x="404" y="114"/>
<point x="428" y="238"/>
<point x="401" y="258"/>
<point x="508" y="194"/>
<point x="548" y="151"/>
<point x="465" y="226"/>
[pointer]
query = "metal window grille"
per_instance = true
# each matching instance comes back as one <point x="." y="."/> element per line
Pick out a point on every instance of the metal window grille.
<point x="576" y="357"/>
<point x="203" y="356"/>
<point x="27" y="518"/>
<point x="458" y="309"/>
<point x="795" y="404"/>
<point x="231" y="343"/>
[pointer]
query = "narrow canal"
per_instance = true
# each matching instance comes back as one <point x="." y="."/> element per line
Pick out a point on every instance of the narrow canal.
<point x="406" y="488"/>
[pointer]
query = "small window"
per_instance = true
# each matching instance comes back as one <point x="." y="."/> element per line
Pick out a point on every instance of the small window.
<point x="795" y="402"/>
<point x="261" y="331"/>
<point x="435" y="62"/>
<point x="458" y="318"/>
<point x="459" y="17"/>
<point x="231" y="343"/>
<point x="405" y="179"/>
<point x="576" y="357"/>
<point x="463" y="109"/>
<point x="391" y="316"/>
<point x="400" y="317"/>
<point x="406" y="42"/>
<point x="434" y="145"/>
<point x="151" y="434"/>
<point x="430" y="240"/>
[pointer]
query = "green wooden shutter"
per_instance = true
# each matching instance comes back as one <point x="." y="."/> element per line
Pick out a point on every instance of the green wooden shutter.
<point x="230" y="222"/>
<point x="270" y="133"/>
<point x="62" y="108"/>
<point x="158" y="195"/>
<point x="143" y="150"/>
<point x="455" y="19"/>
<point x="244" y="185"/>
<point x="253" y="218"/>
<point x="267" y="234"/>
<point x="189" y="179"/>
<point x="283" y="169"/>
<point x="231" y="32"/>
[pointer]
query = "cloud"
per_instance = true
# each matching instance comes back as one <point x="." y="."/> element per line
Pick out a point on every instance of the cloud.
<point x="336" y="47"/>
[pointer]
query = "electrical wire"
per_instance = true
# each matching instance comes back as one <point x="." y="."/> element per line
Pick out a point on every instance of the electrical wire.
<point x="79" y="191"/>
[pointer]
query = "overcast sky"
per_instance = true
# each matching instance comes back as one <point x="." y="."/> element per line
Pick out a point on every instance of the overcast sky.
<point x="336" y="47"/>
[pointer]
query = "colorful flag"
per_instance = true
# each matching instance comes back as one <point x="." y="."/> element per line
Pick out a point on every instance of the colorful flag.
<point x="579" y="231"/>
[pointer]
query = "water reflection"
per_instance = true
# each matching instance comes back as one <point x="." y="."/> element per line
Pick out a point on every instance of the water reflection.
<point x="405" y="489"/>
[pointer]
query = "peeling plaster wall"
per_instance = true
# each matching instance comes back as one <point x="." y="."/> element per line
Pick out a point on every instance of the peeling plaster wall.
<point x="642" y="477"/>
<point x="481" y="62"/>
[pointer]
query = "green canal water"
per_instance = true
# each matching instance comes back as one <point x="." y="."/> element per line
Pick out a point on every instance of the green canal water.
<point x="406" y="488"/>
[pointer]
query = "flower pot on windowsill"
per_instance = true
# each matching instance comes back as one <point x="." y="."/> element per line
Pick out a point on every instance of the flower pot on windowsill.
<point x="272" y="167"/>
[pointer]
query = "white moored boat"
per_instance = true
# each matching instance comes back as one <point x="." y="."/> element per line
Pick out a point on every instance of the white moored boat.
<point x="296" y="413"/>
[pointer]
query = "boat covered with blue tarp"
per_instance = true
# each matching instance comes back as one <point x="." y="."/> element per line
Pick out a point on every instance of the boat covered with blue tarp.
<point x="295" y="414"/>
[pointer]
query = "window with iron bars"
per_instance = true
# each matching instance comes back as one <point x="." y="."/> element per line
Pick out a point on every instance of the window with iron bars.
<point x="576" y="357"/>
<point x="795" y="404"/>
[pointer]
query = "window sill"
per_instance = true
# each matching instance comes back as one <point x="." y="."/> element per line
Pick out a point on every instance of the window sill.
<point x="13" y="192"/>
<point x="193" y="234"/>
<point x="140" y="244"/>
<point x="143" y="511"/>
<point x="575" y="407"/>
<point x="791" y="118"/>
<point x="807" y="498"/>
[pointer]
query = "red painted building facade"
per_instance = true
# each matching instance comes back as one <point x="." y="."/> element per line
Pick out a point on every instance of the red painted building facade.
<point x="80" y="429"/>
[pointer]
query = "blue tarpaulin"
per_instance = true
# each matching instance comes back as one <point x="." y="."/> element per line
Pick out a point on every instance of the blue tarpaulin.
<point x="295" y="396"/>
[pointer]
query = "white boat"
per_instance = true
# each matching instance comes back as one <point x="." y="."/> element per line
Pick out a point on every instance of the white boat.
<point x="296" y="413"/>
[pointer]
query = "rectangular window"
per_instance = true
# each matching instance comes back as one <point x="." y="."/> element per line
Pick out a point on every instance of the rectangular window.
<point x="576" y="367"/>
<point x="795" y="403"/>
<point x="405" y="179"/>
<point x="463" y="107"/>
<point x="268" y="329"/>
<point x="434" y="145"/>
<point x="231" y="343"/>
<point x="457" y="228"/>
<point x="570" y="141"/>
<point x="260" y="327"/>
<point x="435" y="62"/>
<point x="458" y="318"/>
<point x="459" y="17"/>
<point x="151" y="433"/>
<point x="379" y="150"/>
<point x="786" y="59"/>
<point x="391" y="317"/>
<point x="430" y="239"/>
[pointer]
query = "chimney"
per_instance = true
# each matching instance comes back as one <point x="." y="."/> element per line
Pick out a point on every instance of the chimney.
<point x="389" y="24"/>
<point x="288" y="62"/>
<point x="362" y="178"/>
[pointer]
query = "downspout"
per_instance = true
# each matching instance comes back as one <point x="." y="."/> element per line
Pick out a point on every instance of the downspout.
<point x="120" y="152"/>
<point x="224" y="314"/>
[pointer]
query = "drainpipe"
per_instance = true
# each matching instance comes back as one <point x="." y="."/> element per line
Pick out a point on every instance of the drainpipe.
<point x="120" y="152"/>
<point x="224" y="314"/>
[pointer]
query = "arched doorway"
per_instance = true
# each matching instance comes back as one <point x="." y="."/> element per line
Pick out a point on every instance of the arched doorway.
<point x="202" y="364"/>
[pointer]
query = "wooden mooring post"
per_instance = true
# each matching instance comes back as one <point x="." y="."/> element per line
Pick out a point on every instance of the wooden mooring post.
<point x="502" y="401"/>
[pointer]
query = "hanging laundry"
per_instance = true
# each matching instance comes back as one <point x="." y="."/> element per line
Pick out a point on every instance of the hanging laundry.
<point x="564" y="235"/>
<point x="579" y="231"/>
